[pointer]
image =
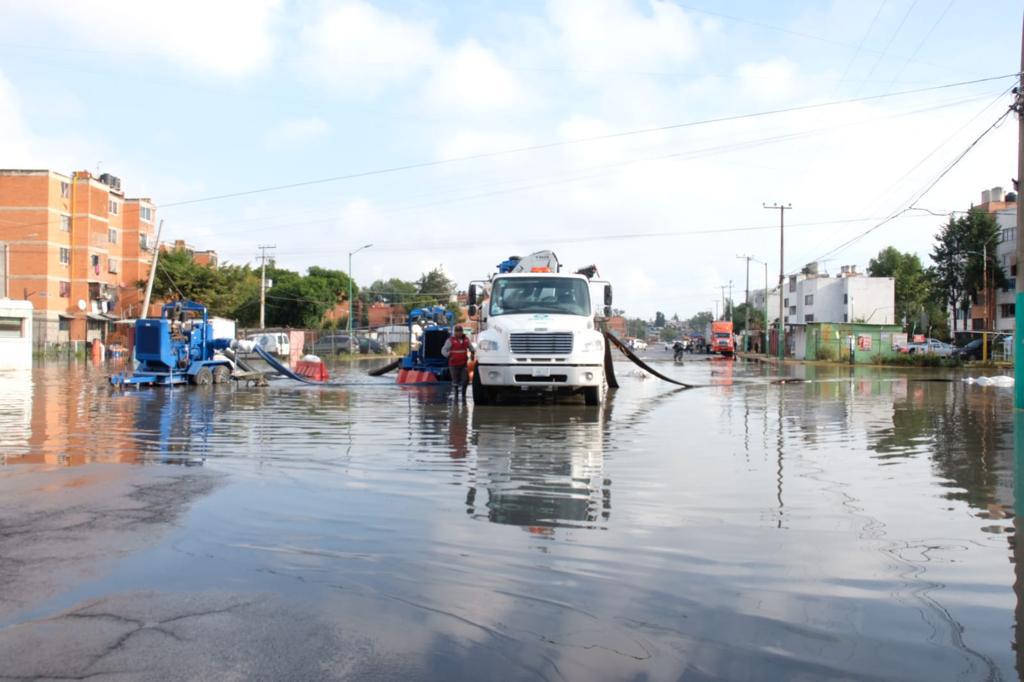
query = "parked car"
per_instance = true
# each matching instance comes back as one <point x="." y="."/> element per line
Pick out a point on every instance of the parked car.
<point x="331" y="344"/>
<point x="973" y="349"/>
<point x="970" y="351"/>
<point x="931" y="346"/>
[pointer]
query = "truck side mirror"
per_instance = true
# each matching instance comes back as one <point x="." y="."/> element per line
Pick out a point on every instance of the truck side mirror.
<point x="472" y="310"/>
<point x="472" y="297"/>
<point x="607" y="295"/>
<point x="607" y="311"/>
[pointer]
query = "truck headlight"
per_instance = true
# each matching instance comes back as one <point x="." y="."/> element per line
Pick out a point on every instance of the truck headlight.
<point x="488" y="344"/>
<point x="595" y="344"/>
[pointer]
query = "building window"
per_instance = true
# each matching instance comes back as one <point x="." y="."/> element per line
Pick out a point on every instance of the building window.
<point x="64" y="324"/>
<point x="809" y="299"/>
<point x="846" y="299"/>
<point x="94" y="262"/>
<point x="1009" y="234"/>
<point x="65" y="190"/>
<point x="792" y="310"/>
<point x="808" y="318"/>
<point x="112" y="207"/>
<point x="65" y="289"/>
<point x="1007" y="309"/>
<point x="65" y="223"/>
<point x="11" y="327"/>
<point x="785" y="302"/>
<point x="146" y="213"/>
<point x="112" y="265"/>
<point x="65" y="255"/>
<point x="792" y="283"/>
<point x="144" y="241"/>
<point x="112" y="236"/>
<point x="1013" y="270"/>
<point x="846" y="318"/>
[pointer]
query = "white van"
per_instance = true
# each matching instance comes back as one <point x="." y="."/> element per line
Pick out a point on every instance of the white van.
<point x="273" y="342"/>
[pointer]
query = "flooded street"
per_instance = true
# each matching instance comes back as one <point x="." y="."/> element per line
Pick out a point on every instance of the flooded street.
<point x="855" y="525"/>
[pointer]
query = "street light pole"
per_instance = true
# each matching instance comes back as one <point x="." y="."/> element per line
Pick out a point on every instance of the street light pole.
<point x="350" y="254"/>
<point x="746" y="307"/>
<point x="782" y="255"/>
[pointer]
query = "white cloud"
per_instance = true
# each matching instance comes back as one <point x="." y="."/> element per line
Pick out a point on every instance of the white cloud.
<point x="358" y="49"/>
<point x="227" y="37"/>
<point x="772" y="80"/>
<point x="470" y="79"/>
<point x="297" y="132"/>
<point x="616" y="35"/>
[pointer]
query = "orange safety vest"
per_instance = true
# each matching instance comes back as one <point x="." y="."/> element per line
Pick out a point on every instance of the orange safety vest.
<point x="458" y="352"/>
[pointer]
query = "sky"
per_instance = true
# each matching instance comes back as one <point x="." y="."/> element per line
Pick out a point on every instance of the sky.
<point x="642" y="136"/>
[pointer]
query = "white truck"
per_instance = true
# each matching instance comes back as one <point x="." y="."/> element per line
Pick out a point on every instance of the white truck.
<point x="538" y="330"/>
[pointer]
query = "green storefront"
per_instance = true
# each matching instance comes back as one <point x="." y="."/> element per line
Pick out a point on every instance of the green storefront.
<point x="868" y="342"/>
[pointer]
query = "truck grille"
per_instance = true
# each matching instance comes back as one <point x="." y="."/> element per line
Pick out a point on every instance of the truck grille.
<point x="559" y="343"/>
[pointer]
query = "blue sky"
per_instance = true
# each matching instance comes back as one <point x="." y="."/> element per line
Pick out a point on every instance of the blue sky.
<point x="190" y="100"/>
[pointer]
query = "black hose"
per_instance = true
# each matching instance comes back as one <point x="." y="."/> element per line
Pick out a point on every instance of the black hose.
<point x="379" y="371"/>
<point x="638" y="362"/>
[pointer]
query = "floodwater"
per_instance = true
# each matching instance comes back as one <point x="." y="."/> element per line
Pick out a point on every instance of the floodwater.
<point x="856" y="525"/>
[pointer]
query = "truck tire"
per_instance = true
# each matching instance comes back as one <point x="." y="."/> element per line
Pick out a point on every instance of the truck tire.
<point x="482" y="395"/>
<point x="221" y="374"/>
<point x="592" y="395"/>
<point x="204" y="377"/>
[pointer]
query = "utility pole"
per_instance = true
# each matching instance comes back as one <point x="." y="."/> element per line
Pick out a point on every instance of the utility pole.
<point x="263" y="282"/>
<point x="1018" y="328"/>
<point x="782" y="277"/>
<point x="723" y="287"/>
<point x="729" y="301"/>
<point x="152" y="271"/>
<point x="746" y="307"/>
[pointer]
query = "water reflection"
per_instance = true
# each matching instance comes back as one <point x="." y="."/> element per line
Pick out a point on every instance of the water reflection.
<point x="539" y="468"/>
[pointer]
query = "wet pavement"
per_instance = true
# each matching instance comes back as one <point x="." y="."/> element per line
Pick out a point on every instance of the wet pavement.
<point x="853" y="524"/>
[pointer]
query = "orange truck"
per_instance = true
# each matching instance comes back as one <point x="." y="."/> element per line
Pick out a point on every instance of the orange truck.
<point x="720" y="339"/>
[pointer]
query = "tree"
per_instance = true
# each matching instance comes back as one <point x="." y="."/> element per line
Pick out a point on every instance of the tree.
<point x="434" y="288"/>
<point x="659" y="320"/>
<point x="911" y="283"/>
<point x="699" y="322"/>
<point x="740" y="318"/>
<point x="669" y="334"/>
<point x="636" y="327"/>
<point x="957" y="254"/>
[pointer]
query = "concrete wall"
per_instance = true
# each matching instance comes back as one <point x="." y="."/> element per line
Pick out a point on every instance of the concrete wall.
<point x="15" y="344"/>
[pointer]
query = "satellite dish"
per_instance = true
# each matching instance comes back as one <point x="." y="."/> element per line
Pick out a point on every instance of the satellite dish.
<point x="81" y="305"/>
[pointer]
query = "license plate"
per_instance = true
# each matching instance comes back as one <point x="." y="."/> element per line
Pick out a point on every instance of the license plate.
<point x="541" y="371"/>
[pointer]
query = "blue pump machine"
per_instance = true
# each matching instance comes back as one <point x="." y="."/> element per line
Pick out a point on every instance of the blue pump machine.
<point x="176" y="348"/>
<point x="436" y="323"/>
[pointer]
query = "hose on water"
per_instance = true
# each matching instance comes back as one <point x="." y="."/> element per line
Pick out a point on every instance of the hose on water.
<point x="380" y="371"/>
<point x="636" y="361"/>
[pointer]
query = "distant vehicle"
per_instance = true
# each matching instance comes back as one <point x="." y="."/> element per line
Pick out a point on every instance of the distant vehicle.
<point x="272" y="342"/>
<point x="720" y="338"/>
<point x="932" y="347"/>
<point x="331" y="344"/>
<point x="638" y="344"/>
<point x="974" y="348"/>
<point x="971" y="351"/>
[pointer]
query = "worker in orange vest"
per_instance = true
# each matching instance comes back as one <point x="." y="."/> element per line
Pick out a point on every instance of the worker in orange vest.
<point x="458" y="348"/>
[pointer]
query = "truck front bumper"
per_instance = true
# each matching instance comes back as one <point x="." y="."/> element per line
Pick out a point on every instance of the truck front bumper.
<point x="540" y="376"/>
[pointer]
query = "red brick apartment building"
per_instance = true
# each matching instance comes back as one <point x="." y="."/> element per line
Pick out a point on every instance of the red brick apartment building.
<point x="75" y="247"/>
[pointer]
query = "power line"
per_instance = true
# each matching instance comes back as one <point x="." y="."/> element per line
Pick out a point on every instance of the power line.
<point x="594" y="138"/>
<point x="927" y="189"/>
<point x="686" y="154"/>
<point x="920" y="44"/>
<point x="462" y="244"/>
<point x="892" y="38"/>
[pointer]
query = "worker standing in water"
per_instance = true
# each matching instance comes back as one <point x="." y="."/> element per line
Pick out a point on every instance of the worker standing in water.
<point x="458" y="349"/>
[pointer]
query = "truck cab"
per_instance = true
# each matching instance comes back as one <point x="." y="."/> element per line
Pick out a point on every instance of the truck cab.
<point x="538" y="332"/>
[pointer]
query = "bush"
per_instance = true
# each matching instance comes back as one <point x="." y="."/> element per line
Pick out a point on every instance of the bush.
<point x="920" y="360"/>
<point x="827" y="353"/>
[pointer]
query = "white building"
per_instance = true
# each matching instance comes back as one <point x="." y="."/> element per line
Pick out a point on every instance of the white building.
<point x="15" y="334"/>
<point x="848" y="296"/>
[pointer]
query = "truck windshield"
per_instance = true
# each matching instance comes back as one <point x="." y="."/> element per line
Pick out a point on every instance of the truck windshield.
<point x="557" y="295"/>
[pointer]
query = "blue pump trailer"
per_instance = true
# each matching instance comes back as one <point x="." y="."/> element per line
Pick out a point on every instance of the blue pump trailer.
<point x="177" y="348"/>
